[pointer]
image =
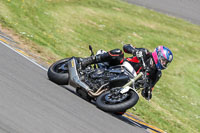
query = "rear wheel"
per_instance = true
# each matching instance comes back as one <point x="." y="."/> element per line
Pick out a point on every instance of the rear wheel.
<point x="113" y="101"/>
<point x="58" y="72"/>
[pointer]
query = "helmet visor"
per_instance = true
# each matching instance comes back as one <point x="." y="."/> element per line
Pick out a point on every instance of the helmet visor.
<point x="164" y="62"/>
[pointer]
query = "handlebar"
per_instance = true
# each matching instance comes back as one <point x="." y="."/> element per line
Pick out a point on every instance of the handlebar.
<point x="139" y="55"/>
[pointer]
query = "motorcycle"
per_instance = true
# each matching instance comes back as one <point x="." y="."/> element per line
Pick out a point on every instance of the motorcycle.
<point x="114" y="88"/>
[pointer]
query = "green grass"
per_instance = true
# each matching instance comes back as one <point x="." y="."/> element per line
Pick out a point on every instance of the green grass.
<point x="67" y="27"/>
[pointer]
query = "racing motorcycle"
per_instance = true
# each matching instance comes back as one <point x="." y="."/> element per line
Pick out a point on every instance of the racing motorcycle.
<point x="114" y="88"/>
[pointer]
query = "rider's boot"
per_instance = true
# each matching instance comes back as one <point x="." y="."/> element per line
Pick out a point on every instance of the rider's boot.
<point x="113" y="57"/>
<point x="94" y="59"/>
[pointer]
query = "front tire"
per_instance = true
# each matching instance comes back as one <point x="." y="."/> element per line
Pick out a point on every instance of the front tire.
<point x="107" y="105"/>
<point x="58" y="72"/>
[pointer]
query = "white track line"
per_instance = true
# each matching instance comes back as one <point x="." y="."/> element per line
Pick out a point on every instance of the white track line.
<point x="23" y="55"/>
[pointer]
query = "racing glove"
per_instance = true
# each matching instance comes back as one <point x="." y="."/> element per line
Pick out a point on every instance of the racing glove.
<point x="146" y="93"/>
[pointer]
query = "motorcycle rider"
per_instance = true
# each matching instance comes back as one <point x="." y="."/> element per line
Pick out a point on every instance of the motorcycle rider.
<point x="154" y="61"/>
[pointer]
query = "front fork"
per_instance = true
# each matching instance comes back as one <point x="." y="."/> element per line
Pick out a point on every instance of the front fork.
<point x="127" y="87"/>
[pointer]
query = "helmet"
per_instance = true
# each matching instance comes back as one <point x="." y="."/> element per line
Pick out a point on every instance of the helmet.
<point x="162" y="57"/>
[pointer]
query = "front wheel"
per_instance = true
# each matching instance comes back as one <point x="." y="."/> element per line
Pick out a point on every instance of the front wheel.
<point x="113" y="101"/>
<point x="58" y="72"/>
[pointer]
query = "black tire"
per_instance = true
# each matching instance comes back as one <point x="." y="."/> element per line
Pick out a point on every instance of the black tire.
<point x="129" y="102"/>
<point x="58" y="75"/>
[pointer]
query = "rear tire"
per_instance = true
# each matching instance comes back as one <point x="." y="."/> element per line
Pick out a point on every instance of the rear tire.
<point x="122" y="106"/>
<point x="58" y="72"/>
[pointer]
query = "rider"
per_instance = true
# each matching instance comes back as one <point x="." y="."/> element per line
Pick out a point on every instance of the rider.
<point x="155" y="62"/>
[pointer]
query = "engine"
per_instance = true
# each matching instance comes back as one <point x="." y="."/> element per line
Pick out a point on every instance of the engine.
<point x="97" y="77"/>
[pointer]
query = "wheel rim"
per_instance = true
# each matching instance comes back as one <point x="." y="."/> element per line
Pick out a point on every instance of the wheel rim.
<point x="61" y="68"/>
<point x="114" y="96"/>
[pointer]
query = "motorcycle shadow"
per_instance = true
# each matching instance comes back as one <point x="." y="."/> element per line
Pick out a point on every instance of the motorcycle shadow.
<point x="119" y="116"/>
<point x="72" y="90"/>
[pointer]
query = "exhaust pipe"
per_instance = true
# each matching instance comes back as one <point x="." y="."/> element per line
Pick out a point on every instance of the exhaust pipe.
<point x="73" y="76"/>
<point x="99" y="91"/>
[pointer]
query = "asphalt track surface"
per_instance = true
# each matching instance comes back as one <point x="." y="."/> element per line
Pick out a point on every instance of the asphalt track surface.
<point x="185" y="9"/>
<point x="30" y="103"/>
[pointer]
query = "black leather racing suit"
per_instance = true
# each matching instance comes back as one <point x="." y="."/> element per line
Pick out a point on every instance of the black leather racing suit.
<point x="116" y="56"/>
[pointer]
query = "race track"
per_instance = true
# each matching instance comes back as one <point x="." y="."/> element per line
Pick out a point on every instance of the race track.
<point x="30" y="103"/>
<point x="186" y="9"/>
